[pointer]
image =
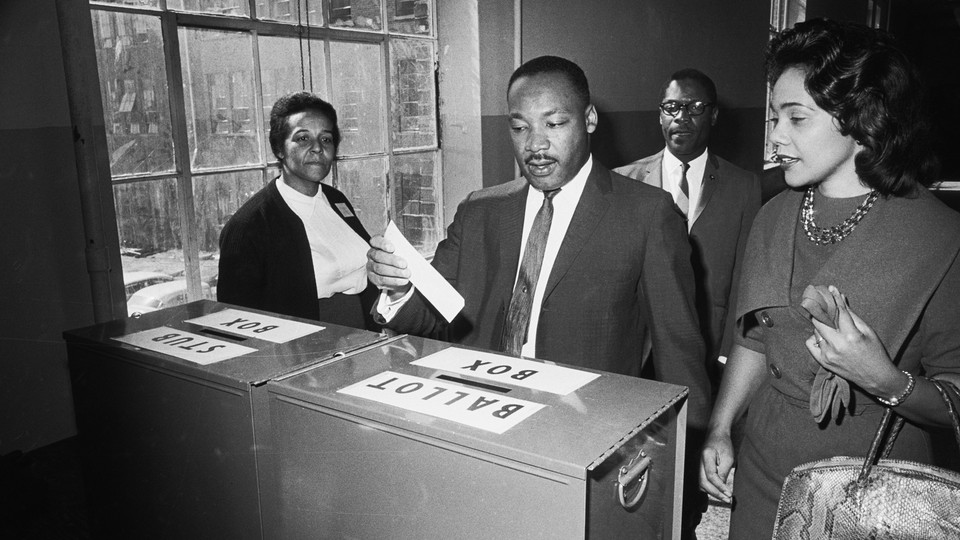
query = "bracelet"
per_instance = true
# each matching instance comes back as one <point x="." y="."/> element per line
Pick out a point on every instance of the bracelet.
<point x="897" y="400"/>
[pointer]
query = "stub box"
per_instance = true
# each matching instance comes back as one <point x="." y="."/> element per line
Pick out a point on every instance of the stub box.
<point x="416" y="439"/>
<point x="166" y="407"/>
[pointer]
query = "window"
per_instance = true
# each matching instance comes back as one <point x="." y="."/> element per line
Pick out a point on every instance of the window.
<point x="188" y="147"/>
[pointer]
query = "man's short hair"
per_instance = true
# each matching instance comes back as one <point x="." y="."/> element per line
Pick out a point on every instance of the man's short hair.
<point x="690" y="74"/>
<point x="554" y="64"/>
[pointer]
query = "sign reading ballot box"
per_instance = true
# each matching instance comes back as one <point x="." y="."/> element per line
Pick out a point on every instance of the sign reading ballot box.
<point x="256" y="325"/>
<point x="415" y="438"/>
<point x="482" y="409"/>
<point x="532" y="374"/>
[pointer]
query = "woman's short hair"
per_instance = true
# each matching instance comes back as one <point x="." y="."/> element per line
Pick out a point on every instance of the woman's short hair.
<point x="861" y="77"/>
<point x="292" y="104"/>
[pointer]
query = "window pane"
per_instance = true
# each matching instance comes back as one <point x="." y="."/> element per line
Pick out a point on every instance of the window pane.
<point x="416" y="199"/>
<point x="358" y="95"/>
<point x="222" y="126"/>
<point x="136" y="3"/>
<point x="216" y="198"/>
<point x="219" y="7"/>
<point x="363" y="181"/>
<point x="409" y="16"/>
<point x="150" y="244"/>
<point x="359" y="14"/>
<point x="286" y="11"/>
<point x="133" y="88"/>
<point x="412" y="91"/>
<point x="281" y="73"/>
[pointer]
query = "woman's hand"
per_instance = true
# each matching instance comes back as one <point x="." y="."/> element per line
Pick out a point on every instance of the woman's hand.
<point x="716" y="460"/>
<point x="853" y="351"/>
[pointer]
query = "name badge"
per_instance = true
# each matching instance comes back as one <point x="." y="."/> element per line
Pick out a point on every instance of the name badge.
<point x="344" y="210"/>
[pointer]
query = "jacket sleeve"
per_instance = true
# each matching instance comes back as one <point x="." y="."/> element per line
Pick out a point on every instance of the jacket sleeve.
<point x="751" y="207"/>
<point x="242" y="278"/>
<point x="667" y="294"/>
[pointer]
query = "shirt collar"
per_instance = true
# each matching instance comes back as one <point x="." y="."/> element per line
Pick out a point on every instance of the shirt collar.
<point x="572" y="189"/>
<point x="671" y="161"/>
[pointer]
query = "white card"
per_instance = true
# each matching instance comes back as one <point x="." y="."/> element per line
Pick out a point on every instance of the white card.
<point x="255" y="325"/>
<point x="508" y="370"/>
<point x="483" y="409"/>
<point x="427" y="280"/>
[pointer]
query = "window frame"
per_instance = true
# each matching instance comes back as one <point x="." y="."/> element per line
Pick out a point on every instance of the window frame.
<point x="186" y="176"/>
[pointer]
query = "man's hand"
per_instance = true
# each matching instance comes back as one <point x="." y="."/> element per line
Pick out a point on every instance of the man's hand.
<point x="386" y="270"/>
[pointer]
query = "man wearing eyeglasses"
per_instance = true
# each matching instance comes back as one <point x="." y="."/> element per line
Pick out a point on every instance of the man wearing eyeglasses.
<point x="720" y="201"/>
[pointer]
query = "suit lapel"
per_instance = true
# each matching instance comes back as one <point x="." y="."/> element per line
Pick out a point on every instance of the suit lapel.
<point x="652" y="175"/>
<point x="588" y="214"/>
<point x="711" y="177"/>
<point x="511" y="231"/>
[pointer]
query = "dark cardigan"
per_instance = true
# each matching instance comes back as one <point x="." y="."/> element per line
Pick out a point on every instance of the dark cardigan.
<point x="265" y="260"/>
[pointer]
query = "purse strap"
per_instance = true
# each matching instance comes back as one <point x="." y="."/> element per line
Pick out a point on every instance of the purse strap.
<point x="943" y="387"/>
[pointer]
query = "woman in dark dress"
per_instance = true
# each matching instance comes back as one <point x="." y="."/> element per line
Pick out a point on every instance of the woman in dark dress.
<point x="297" y="246"/>
<point x="850" y="295"/>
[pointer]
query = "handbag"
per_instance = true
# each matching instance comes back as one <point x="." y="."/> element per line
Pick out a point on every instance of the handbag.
<point x="846" y="498"/>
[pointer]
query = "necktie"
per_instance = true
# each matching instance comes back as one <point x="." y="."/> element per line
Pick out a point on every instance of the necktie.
<point x="683" y="198"/>
<point x="518" y="315"/>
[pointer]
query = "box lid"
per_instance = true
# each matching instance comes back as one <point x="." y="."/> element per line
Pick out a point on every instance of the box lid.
<point x="266" y="361"/>
<point x="568" y="435"/>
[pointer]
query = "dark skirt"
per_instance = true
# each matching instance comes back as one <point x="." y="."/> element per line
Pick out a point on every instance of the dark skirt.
<point x="781" y="434"/>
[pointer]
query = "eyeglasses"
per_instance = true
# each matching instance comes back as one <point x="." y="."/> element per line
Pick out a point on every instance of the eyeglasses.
<point x="692" y="108"/>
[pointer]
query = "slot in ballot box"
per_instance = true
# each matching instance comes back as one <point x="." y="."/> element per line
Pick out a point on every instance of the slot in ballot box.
<point x="415" y="439"/>
<point x="166" y="408"/>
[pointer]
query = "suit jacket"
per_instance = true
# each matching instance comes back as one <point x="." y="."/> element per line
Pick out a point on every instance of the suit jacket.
<point x="729" y="201"/>
<point x="623" y="264"/>
<point x="265" y="259"/>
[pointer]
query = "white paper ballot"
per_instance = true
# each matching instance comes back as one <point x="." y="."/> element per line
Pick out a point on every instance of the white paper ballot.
<point x="425" y="278"/>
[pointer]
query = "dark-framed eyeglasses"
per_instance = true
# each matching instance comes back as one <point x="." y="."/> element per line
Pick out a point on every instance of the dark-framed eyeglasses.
<point x="692" y="108"/>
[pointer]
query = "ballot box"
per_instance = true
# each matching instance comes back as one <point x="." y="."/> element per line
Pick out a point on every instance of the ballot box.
<point x="166" y="407"/>
<point x="418" y="439"/>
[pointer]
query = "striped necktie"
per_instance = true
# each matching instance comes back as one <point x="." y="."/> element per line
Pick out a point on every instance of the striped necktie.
<point x="518" y="315"/>
<point x="683" y="198"/>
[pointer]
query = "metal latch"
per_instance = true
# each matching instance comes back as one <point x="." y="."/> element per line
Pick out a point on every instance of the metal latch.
<point x="635" y="473"/>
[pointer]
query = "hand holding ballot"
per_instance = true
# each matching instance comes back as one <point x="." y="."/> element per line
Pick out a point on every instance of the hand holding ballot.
<point x="393" y="264"/>
<point x="386" y="269"/>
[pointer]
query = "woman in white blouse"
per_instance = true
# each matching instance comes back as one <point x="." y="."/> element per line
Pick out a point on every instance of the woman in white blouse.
<point x="297" y="247"/>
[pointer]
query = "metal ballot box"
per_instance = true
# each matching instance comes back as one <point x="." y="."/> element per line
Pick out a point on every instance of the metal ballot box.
<point x="418" y="439"/>
<point x="166" y="406"/>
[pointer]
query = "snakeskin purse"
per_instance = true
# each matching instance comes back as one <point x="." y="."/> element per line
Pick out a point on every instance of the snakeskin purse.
<point x="847" y="498"/>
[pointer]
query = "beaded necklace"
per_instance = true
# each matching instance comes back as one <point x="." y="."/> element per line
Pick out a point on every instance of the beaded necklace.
<point x="823" y="236"/>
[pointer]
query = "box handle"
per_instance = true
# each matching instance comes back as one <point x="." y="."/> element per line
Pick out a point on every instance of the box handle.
<point x="634" y="472"/>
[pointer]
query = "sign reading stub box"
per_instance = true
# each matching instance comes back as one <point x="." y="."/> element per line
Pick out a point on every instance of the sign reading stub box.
<point x="415" y="438"/>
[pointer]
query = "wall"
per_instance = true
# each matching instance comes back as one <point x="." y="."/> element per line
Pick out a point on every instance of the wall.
<point x="44" y="288"/>
<point x="458" y="28"/>
<point x="628" y="48"/>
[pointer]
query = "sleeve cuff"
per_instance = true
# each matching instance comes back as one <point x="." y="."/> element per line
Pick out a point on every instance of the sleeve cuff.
<point x="387" y="309"/>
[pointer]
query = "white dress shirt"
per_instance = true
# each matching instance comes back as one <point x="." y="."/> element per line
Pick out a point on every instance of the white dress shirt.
<point x="339" y="254"/>
<point x="564" y="205"/>
<point x="672" y="171"/>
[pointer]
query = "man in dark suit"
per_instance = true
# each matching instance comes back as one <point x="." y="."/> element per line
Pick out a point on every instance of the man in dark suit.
<point x="719" y="199"/>
<point x="615" y="266"/>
